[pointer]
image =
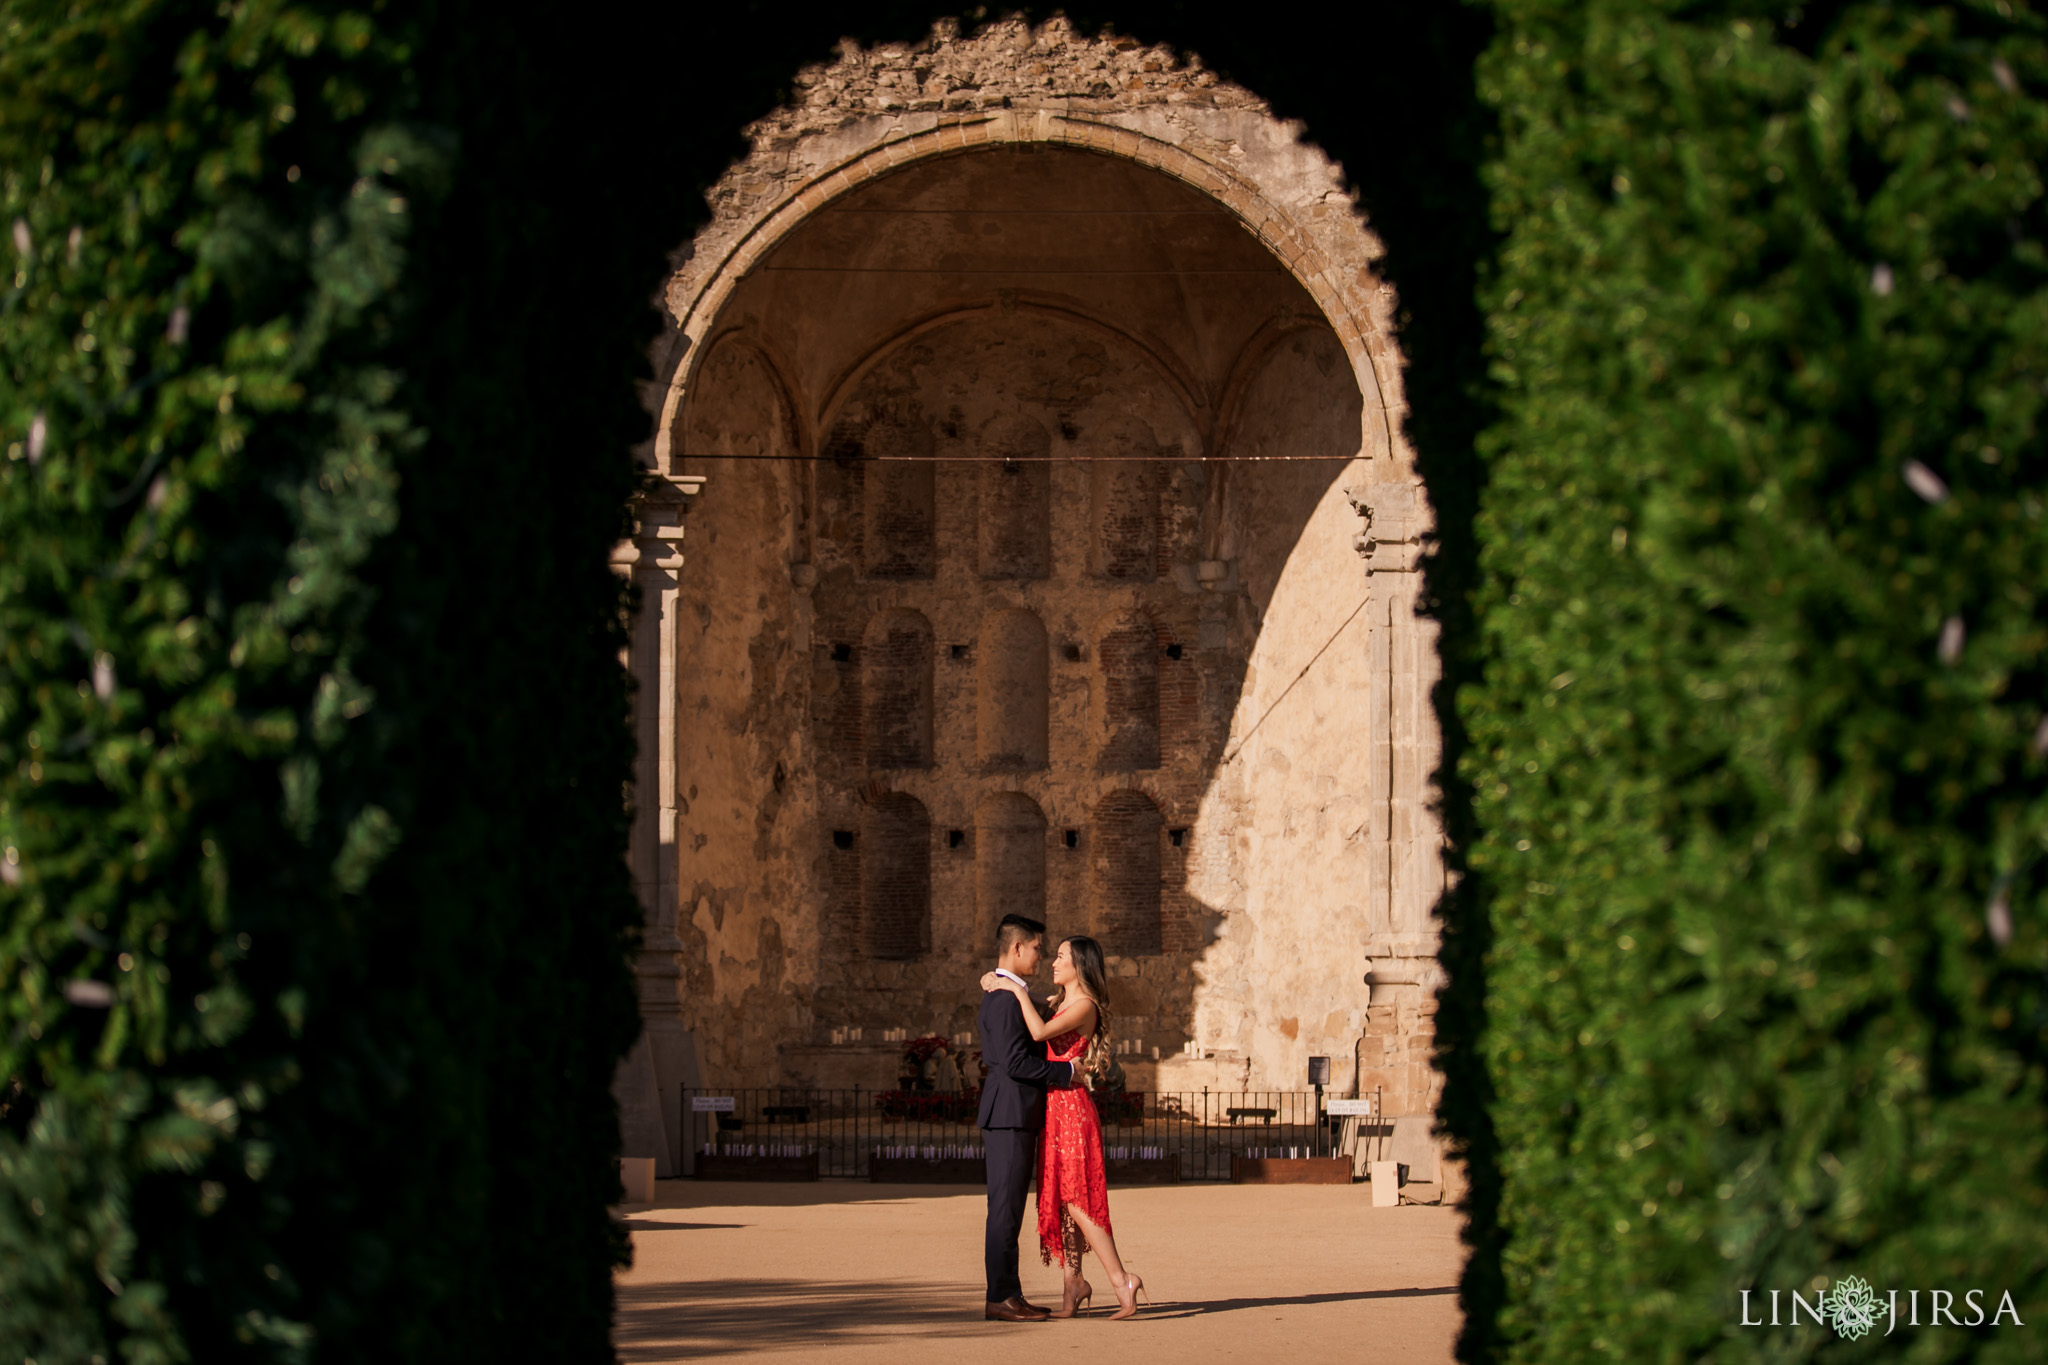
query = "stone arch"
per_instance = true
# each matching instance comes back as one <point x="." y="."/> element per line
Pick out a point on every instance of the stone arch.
<point x="1255" y="579"/>
<point x="900" y="512"/>
<point x="1014" y="530"/>
<point x="1286" y="204"/>
<point x="742" y="427"/>
<point x="1127" y="673"/>
<point x="896" y="690"/>
<point x="895" y="878"/>
<point x="1126" y="867"/>
<point x="1013" y="692"/>
<point x="1075" y="313"/>
<point x="1123" y="495"/>
<point x="745" y="408"/>
<point x="1009" y="862"/>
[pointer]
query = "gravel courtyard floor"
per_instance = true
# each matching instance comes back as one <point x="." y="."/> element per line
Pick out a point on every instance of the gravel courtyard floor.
<point x="856" y="1273"/>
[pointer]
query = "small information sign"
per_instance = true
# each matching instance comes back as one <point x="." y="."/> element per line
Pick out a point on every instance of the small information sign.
<point x="711" y="1104"/>
<point x="1359" y="1108"/>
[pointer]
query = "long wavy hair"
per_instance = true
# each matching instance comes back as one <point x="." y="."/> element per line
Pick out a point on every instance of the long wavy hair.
<point x="1087" y="958"/>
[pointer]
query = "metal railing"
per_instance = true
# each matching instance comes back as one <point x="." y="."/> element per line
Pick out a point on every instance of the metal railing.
<point x="894" y="1134"/>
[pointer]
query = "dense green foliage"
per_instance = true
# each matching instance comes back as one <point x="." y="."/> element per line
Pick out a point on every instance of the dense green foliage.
<point x="1757" y="760"/>
<point x="315" y="402"/>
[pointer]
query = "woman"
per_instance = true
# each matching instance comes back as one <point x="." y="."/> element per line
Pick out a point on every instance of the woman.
<point x="1073" y="1198"/>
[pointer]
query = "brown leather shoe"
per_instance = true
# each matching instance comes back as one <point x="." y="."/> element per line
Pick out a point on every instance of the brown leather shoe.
<point x="1014" y="1310"/>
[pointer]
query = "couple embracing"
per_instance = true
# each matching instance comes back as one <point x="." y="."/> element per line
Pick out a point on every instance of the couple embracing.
<point x="1036" y="1117"/>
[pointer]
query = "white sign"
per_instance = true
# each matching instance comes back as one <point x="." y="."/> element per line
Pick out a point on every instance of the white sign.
<point x="1361" y="1108"/>
<point x="711" y="1104"/>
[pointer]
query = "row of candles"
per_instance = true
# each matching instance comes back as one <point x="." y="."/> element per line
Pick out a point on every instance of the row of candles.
<point x="935" y="1152"/>
<point x="758" y="1149"/>
<point x="1123" y="1047"/>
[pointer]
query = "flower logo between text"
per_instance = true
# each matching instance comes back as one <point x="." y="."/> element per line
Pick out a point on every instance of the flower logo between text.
<point x="1853" y="1308"/>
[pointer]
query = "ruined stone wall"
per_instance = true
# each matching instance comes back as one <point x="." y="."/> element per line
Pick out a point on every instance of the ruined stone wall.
<point x="1164" y="701"/>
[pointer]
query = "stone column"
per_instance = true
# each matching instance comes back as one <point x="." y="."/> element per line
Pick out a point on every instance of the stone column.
<point x="1406" y="867"/>
<point x="663" y="1060"/>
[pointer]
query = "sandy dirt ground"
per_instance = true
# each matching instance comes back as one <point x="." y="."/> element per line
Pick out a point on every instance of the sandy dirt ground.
<point x="858" y="1274"/>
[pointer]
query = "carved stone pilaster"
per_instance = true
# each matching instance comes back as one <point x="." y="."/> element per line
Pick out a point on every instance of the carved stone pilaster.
<point x="648" y="1084"/>
<point x="653" y="558"/>
<point x="1405" y="866"/>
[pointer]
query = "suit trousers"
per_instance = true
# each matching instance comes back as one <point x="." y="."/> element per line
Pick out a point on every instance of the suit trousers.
<point x="1012" y="1152"/>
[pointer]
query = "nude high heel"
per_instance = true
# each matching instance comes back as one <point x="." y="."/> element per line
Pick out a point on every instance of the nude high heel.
<point x="1127" y="1296"/>
<point x="1071" y="1303"/>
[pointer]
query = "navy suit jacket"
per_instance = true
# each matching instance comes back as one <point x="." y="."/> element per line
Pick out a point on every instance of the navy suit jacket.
<point x="1013" y="1096"/>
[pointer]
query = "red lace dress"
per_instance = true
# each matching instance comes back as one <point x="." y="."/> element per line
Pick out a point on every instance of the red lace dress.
<point x="1070" y="1169"/>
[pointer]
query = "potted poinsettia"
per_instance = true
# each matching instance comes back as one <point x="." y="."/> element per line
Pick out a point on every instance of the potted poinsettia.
<point x="919" y="1060"/>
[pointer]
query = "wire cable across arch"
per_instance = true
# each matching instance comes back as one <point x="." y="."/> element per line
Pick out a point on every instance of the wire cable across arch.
<point x="1033" y="459"/>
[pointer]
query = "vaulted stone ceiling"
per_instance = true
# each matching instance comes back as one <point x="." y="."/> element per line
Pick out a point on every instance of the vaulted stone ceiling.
<point x="1113" y="242"/>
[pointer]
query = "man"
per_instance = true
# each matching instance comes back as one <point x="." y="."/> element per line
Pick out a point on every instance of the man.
<point x="1012" y="1112"/>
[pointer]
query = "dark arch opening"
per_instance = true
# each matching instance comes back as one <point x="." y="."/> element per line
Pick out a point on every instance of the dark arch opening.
<point x="1126" y="862"/>
<point x="1013" y="696"/>
<point x="895" y="878"/>
<point x="1009" y="851"/>
<point x="896" y="690"/>
<point x="1016" y="497"/>
<point x="1127" y="653"/>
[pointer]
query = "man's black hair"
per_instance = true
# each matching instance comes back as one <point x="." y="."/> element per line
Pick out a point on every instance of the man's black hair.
<point x="1016" y="929"/>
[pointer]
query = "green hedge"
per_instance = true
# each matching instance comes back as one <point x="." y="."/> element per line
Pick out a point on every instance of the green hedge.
<point x="1757" y="763"/>
<point x="317" y="333"/>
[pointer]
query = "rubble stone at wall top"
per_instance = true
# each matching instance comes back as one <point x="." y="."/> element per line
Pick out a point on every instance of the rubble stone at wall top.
<point x="1006" y="64"/>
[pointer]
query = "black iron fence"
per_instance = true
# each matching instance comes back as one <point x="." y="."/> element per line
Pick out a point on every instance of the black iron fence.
<point x="1147" y="1137"/>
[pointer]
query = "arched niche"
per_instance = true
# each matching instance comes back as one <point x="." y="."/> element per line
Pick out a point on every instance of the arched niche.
<point x="1125" y="867"/>
<point x="738" y="407"/>
<point x="896" y="690"/>
<point x="1015" y="532"/>
<point x="1123" y="499"/>
<point x="1292" y="396"/>
<point x="1127" y="673"/>
<point x="1012" y="693"/>
<point x="860" y="244"/>
<point x="900" y="513"/>
<point x="895" y="878"/>
<point x="1009" y="862"/>
<point x="1332" y="255"/>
